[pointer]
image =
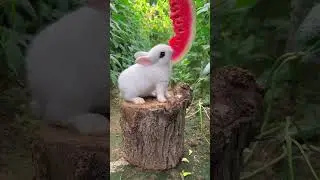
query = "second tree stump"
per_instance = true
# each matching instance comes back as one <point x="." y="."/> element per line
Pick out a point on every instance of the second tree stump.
<point x="153" y="133"/>
<point x="236" y="116"/>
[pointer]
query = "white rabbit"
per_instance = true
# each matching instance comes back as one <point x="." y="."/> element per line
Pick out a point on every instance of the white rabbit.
<point x="67" y="70"/>
<point x="148" y="77"/>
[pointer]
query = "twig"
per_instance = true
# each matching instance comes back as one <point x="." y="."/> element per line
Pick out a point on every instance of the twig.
<point x="259" y="170"/>
<point x="191" y="114"/>
<point x="289" y="147"/>
<point x="314" y="148"/>
<point x="305" y="158"/>
<point x="205" y="111"/>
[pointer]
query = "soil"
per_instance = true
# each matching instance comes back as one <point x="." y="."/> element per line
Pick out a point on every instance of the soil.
<point x="15" y="157"/>
<point x="16" y="135"/>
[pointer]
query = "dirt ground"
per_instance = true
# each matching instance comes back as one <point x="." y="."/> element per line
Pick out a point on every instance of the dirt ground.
<point x="17" y="134"/>
<point x="15" y="157"/>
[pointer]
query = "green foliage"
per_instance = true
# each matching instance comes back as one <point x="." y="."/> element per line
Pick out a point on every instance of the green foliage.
<point x="136" y="25"/>
<point x="310" y="27"/>
<point x="139" y="25"/>
<point x="20" y="20"/>
<point x="250" y="39"/>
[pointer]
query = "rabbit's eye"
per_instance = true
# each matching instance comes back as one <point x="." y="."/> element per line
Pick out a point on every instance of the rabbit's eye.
<point x="162" y="54"/>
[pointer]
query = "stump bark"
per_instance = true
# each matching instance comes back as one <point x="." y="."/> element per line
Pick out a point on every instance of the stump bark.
<point x="236" y="115"/>
<point x="153" y="133"/>
<point x="60" y="154"/>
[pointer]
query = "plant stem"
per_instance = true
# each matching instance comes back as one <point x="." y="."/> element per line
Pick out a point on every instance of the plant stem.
<point x="289" y="148"/>
<point x="265" y="167"/>
<point x="306" y="158"/>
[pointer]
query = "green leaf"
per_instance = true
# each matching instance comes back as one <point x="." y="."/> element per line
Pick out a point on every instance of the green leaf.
<point x="28" y="8"/>
<point x="113" y="8"/>
<point x="245" y="3"/>
<point x="14" y="56"/>
<point x="205" y="47"/>
<point x="247" y="45"/>
<point x="204" y="8"/>
<point x="185" y="160"/>
<point x="185" y="173"/>
<point x="206" y="70"/>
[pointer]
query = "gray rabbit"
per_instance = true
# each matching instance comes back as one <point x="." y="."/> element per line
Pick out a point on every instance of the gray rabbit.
<point x="148" y="77"/>
<point x="67" y="70"/>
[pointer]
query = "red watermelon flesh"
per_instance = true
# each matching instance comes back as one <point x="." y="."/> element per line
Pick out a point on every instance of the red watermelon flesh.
<point x="183" y="19"/>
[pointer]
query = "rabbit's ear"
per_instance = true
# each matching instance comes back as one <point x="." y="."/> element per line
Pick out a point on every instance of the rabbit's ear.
<point x="143" y="60"/>
<point x="140" y="53"/>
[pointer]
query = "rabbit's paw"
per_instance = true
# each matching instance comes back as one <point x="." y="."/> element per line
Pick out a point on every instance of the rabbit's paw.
<point x="161" y="99"/>
<point x="138" y="100"/>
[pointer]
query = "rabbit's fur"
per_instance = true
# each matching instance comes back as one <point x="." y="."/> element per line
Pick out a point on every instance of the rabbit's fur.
<point x="148" y="77"/>
<point x="67" y="71"/>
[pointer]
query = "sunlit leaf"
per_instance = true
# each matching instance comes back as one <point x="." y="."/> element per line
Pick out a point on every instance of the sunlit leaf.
<point x="185" y="160"/>
<point x="185" y="173"/>
<point x="206" y="70"/>
<point x="113" y="8"/>
<point x="203" y="9"/>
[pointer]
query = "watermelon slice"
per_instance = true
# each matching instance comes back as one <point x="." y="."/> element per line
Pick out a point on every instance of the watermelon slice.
<point x="183" y="19"/>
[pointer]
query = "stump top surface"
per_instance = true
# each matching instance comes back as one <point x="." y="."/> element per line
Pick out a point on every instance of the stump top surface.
<point x="179" y="95"/>
<point x="60" y="135"/>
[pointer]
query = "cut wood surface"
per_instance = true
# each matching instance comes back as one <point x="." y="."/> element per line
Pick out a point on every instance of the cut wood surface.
<point x="153" y="133"/>
<point x="60" y="154"/>
<point x="236" y="116"/>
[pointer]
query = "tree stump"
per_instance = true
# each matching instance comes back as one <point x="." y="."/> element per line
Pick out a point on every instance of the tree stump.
<point x="236" y="115"/>
<point x="60" y="154"/>
<point x="153" y="133"/>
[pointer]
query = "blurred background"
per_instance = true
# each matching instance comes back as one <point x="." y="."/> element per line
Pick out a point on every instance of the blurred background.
<point x="278" y="41"/>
